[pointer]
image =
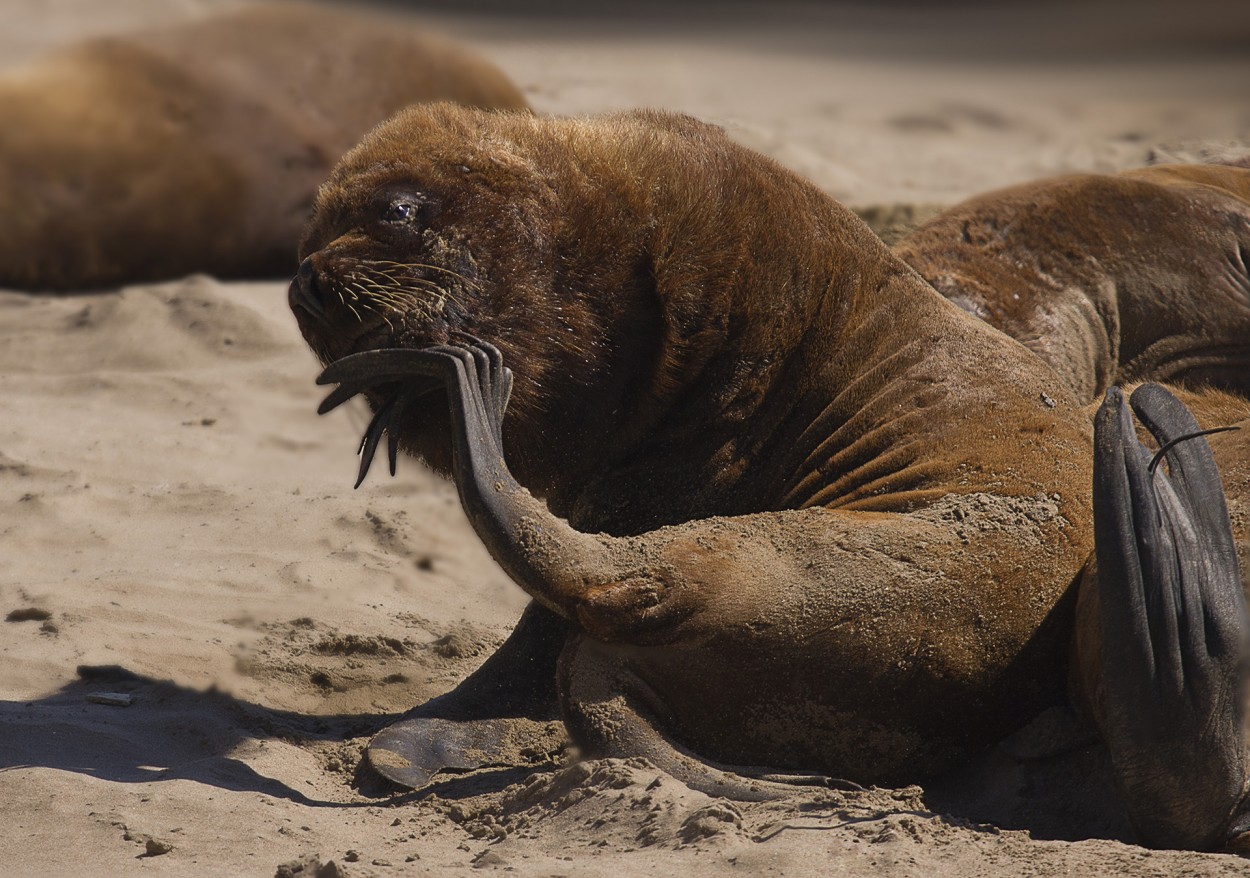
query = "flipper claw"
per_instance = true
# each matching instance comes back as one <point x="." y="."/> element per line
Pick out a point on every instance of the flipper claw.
<point x="382" y="422"/>
<point x="482" y="363"/>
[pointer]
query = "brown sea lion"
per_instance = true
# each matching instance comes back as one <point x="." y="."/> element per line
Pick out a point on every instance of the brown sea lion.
<point x="1142" y="275"/>
<point x="1110" y="279"/>
<point x="199" y="147"/>
<point x="778" y="503"/>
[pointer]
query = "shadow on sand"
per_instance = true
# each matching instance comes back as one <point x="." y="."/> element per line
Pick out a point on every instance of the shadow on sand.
<point x="171" y="732"/>
<point x="1049" y="778"/>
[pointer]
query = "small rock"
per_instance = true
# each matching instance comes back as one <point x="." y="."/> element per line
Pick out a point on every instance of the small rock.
<point x="310" y="866"/>
<point x="351" y="856"/>
<point x="710" y="820"/>
<point x="305" y="867"/>
<point x="488" y="858"/>
<point x="454" y="646"/>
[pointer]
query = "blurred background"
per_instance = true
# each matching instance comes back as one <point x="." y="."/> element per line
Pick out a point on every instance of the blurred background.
<point x="879" y="103"/>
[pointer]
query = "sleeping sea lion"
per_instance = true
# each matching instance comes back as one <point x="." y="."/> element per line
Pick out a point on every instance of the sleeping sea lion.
<point x="199" y="147"/>
<point x="1111" y="279"/>
<point x="778" y="503"/>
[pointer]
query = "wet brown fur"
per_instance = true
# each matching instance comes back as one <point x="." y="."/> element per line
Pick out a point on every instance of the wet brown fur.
<point x="198" y="148"/>
<point x="857" y="508"/>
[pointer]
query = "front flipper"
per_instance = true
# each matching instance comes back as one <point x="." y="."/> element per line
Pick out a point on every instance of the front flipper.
<point x="1173" y="626"/>
<point x="480" y="722"/>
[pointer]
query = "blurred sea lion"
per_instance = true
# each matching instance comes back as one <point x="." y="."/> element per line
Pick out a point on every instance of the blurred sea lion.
<point x="199" y="147"/>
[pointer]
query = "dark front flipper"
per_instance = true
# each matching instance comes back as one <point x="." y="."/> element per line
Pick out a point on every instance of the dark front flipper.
<point x="481" y="721"/>
<point x="1173" y="626"/>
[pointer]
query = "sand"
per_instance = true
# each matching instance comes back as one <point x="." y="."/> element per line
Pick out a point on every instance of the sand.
<point x="204" y="623"/>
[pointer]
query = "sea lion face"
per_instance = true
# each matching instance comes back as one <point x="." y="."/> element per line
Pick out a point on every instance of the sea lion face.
<point x="445" y="223"/>
<point x="392" y="258"/>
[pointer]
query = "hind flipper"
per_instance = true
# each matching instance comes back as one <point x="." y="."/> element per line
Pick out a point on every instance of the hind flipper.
<point x="1173" y="627"/>
<point x="611" y="712"/>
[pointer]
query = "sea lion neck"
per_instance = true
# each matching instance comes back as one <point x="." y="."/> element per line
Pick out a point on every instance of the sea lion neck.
<point x="793" y="407"/>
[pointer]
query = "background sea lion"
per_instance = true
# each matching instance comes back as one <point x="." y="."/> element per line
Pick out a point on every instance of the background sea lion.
<point x="775" y="528"/>
<point x="1110" y="279"/>
<point x="198" y="148"/>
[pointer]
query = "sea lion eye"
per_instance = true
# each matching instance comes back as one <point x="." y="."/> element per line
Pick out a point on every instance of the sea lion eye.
<point x="402" y="211"/>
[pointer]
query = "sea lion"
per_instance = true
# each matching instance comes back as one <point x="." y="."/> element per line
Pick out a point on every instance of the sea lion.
<point x="199" y="147"/>
<point x="1142" y="275"/>
<point x="778" y="503"/>
<point x="1111" y="279"/>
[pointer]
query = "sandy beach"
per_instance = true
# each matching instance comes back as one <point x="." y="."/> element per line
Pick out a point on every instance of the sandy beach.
<point x="204" y="623"/>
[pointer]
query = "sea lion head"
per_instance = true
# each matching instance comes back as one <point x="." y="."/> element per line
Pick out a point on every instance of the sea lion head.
<point x="624" y="265"/>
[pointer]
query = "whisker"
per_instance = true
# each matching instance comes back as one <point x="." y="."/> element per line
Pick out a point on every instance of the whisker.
<point x="422" y="265"/>
<point x="365" y="305"/>
<point x="382" y="287"/>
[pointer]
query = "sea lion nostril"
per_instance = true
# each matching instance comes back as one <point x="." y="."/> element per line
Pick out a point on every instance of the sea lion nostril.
<point x="307" y="278"/>
<point x="305" y="291"/>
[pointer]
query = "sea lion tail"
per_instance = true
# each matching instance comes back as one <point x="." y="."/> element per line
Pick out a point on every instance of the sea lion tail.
<point x="1174" y="626"/>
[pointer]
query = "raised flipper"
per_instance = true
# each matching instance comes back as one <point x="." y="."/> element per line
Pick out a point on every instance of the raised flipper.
<point x="1173" y="625"/>
<point x="477" y="724"/>
<point x="464" y="728"/>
